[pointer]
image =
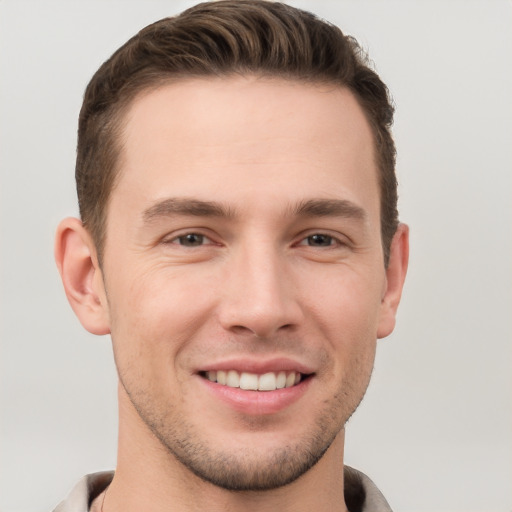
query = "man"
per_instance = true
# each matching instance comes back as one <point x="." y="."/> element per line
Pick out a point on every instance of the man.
<point x="239" y="241"/>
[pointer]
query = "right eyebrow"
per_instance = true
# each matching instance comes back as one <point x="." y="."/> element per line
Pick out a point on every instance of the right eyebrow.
<point x="185" y="206"/>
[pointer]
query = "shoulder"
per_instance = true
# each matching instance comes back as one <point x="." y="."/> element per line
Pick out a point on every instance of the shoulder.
<point x="84" y="492"/>
<point x="361" y="494"/>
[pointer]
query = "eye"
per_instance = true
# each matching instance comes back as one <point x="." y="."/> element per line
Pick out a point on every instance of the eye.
<point x="319" y="240"/>
<point x="191" y="240"/>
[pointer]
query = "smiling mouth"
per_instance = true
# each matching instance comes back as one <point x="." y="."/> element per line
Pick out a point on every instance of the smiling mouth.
<point x="270" y="381"/>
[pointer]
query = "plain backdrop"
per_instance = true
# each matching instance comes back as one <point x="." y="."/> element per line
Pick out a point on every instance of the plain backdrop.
<point x="435" y="429"/>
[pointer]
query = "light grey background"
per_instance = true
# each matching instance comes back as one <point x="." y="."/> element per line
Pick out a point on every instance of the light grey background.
<point x="435" y="429"/>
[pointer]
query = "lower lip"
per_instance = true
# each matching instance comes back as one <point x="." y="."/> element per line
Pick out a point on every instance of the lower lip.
<point x="257" y="402"/>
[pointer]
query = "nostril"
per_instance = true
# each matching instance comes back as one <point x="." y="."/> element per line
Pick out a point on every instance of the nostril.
<point x="261" y="333"/>
<point x="240" y="329"/>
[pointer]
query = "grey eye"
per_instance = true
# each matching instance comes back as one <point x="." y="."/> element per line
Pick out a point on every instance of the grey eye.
<point x="191" y="240"/>
<point x="319" y="240"/>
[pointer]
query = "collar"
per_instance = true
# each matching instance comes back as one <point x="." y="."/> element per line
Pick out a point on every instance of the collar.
<point x="361" y="494"/>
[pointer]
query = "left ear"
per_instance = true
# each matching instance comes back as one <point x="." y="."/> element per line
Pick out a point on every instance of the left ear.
<point x="395" y="277"/>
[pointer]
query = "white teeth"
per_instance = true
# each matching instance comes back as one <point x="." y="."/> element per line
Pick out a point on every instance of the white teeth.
<point x="248" y="381"/>
<point x="267" y="382"/>
<point x="233" y="379"/>
<point x="281" y="380"/>
<point x="251" y="381"/>
<point x="221" y="377"/>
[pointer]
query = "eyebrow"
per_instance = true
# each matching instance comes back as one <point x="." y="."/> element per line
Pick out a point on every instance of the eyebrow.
<point x="330" y="208"/>
<point x="185" y="206"/>
<point x="198" y="208"/>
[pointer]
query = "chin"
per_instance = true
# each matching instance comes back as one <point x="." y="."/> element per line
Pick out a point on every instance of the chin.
<point x="250" y="469"/>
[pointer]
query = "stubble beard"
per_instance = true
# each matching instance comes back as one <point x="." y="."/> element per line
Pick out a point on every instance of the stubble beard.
<point x="249" y="469"/>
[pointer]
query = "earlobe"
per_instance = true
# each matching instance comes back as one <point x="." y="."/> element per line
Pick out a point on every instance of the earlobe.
<point x="81" y="275"/>
<point x="395" y="278"/>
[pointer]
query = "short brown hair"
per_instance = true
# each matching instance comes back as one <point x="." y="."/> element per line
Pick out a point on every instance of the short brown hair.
<point x="221" y="39"/>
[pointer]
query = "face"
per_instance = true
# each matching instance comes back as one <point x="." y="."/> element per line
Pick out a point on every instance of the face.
<point x="244" y="273"/>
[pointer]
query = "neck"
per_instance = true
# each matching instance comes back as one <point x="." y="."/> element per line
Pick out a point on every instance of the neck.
<point x="149" y="478"/>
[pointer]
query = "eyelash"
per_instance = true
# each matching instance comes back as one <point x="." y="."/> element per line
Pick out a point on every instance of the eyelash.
<point x="178" y="239"/>
<point x="333" y="241"/>
<point x="305" y="241"/>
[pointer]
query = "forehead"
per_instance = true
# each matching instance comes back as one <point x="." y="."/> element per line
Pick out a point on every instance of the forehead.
<point x="195" y="137"/>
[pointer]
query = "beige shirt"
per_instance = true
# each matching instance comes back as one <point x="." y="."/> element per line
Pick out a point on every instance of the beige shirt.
<point x="361" y="494"/>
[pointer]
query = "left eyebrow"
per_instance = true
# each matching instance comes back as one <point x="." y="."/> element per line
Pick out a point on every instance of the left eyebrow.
<point x="330" y="208"/>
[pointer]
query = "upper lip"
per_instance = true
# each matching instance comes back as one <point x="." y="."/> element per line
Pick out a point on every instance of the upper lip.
<point x="281" y="364"/>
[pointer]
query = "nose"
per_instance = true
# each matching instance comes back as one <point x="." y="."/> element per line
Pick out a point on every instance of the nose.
<point x="260" y="295"/>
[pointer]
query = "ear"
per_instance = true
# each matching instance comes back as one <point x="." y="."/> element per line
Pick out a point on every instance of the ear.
<point x="395" y="277"/>
<point x="77" y="261"/>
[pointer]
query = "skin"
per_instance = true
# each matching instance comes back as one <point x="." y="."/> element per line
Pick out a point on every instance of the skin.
<point x="285" y="268"/>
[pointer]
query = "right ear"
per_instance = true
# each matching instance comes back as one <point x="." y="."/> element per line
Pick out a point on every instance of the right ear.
<point x="77" y="261"/>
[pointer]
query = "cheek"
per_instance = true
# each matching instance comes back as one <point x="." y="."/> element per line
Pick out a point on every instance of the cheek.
<point x="154" y="313"/>
<point x="344" y="309"/>
<point x="346" y="300"/>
